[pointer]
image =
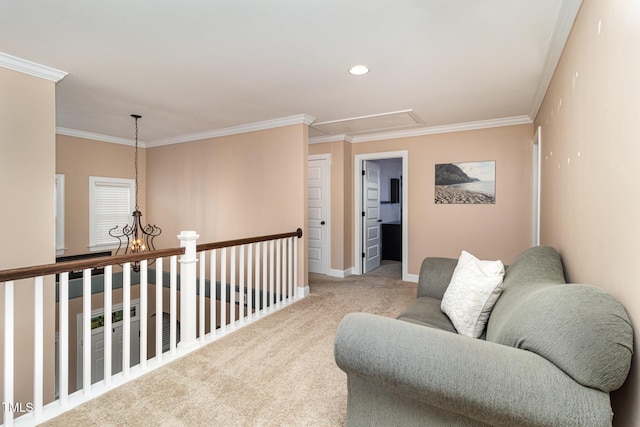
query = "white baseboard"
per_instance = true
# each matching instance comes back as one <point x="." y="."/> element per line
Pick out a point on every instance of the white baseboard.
<point x="411" y="278"/>
<point x="349" y="272"/>
<point x="341" y="273"/>
<point x="303" y="291"/>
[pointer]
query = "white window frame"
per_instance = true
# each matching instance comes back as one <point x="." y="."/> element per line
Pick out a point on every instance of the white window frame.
<point x="59" y="213"/>
<point x="96" y="242"/>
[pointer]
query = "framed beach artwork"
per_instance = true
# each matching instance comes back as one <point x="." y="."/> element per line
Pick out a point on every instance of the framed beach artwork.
<point x="466" y="183"/>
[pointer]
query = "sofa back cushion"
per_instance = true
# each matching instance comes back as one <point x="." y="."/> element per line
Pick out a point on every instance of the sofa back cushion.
<point x="539" y="265"/>
<point x="435" y="275"/>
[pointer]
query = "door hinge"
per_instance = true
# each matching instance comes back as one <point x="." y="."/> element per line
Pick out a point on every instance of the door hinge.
<point x="363" y="255"/>
<point x="363" y="213"/>
<point x="363" y="172"/>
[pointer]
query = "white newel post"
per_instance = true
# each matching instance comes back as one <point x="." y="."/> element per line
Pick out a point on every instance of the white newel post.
<point x="188" y="289"/>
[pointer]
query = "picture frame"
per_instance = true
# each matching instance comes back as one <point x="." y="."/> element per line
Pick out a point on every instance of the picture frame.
<point x="465" y="183"/>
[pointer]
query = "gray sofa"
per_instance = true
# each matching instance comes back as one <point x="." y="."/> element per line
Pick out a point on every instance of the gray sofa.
<point x="549" y="356"/>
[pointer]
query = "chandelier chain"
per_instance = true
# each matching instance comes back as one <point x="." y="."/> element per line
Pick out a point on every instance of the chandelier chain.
<point x="136" y="163"/>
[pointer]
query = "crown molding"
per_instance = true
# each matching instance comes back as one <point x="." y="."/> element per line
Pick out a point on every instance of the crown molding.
<point x="31" y="68"/>
<point x="235" y="130"/>
<point x="458" y="127"/>
<point x="252" y="127"/>
<point x="330" y="138"/>
<point x="98" y="137"/>
<point x="302" y="119"/>
<point x="566" y="17"/>
<point x="432" y="130"/>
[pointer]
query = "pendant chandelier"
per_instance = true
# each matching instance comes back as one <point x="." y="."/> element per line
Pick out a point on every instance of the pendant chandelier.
<point x="135" y="238"/>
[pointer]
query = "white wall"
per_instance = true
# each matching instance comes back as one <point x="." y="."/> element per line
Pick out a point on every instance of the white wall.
<point x="389" y="168"/>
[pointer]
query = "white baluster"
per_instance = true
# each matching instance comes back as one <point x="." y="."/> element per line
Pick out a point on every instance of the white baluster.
<point x="63" y="341"/>
<point x="250" y="281"/>
<point x="8" y="351"/>
<point x="278" y="272"/>
<point x="232" y="287"/>
<point x="126" y="324"/>
<point x="295" y="267"/>
<point x="143" y="312"/>
<point x="38" y="346"/>
<point x="173" y="303"/>
<point x="213" y="292"/>
<point x="284" y="297"/>
<point x="241" y="285"/>
<point x="265" y="271"/>
<point x="159" y="309"/>
<point x="223" y="289"/>
<point x="108" y="310"/>
<point x="271" y="275"/>
<point x="258" y="283"/>
<point x="86" y="331"/>
<point x="203" y="278"/>
<point x="290" y="264"/>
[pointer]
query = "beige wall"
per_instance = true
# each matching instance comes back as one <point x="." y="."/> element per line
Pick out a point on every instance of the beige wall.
<point x="27" y="220"/>
<point x="499" y="231"/>
<point x="78" y="159"/>
<point x="231" y="187"/>
<point x="590" y="150"/>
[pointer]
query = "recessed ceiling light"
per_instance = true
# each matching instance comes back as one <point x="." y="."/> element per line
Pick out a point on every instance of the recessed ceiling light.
<point x="359" y="70"/>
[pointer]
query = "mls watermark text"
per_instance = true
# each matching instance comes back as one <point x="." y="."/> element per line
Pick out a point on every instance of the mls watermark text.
<point x="19" y="407"/>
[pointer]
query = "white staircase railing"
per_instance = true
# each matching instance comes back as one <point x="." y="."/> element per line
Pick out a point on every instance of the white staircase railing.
<point x="243" y="280"/>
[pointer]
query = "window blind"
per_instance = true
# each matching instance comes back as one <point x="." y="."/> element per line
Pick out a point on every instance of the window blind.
<point x="111" y="205"/>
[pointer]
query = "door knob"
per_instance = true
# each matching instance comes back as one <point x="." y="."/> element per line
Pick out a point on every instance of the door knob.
<point x="321" y="222"/>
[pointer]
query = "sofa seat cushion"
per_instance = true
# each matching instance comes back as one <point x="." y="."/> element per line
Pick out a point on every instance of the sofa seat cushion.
<point x="581" y="329"/>
<point x="426" y="311"/>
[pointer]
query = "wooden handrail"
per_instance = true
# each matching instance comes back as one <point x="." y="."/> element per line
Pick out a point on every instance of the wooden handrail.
<point x="238" y="242"/>
<point x="63" y="267"/>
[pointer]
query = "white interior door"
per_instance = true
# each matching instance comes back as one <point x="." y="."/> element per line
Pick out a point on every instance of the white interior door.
<point x="116" y="349"/>
<point x="318" y="228"/>
<point x="97" y="355"/>
<point x="97" y="345"/>
<point x="371" y="220"/>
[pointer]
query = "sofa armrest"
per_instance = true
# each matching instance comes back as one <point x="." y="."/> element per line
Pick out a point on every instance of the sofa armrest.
<point x="435" y="275"/>
<point x="484" y="381"/>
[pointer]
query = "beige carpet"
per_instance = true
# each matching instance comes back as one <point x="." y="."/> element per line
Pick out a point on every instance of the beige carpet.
<point x="278" y="371"/>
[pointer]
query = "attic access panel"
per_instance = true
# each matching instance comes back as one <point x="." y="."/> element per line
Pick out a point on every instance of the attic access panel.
<point x="384" y="122"/>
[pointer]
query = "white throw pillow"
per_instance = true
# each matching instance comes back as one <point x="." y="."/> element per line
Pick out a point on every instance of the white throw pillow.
<point x="474" y="289"/>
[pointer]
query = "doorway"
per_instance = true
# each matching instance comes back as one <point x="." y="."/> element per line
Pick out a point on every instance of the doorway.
<point x="380" y="209"/>
<point x="97" y="342"/>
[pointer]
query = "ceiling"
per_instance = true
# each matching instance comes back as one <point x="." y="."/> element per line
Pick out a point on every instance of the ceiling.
<point x="196" y="68"/>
